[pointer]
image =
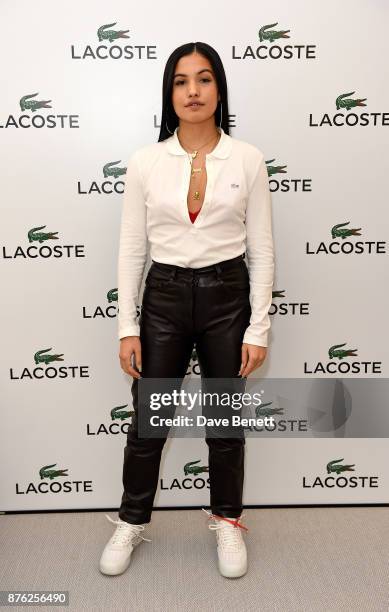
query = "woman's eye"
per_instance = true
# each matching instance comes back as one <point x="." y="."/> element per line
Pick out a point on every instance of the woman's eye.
<point x="204" y="79"/>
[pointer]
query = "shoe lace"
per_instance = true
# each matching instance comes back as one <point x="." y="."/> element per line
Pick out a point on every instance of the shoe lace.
<point x="126" y="531"/>
<point x="228" y="534"/>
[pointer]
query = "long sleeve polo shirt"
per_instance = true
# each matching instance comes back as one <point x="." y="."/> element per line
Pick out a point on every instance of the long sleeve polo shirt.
<point x="235" y="217"/>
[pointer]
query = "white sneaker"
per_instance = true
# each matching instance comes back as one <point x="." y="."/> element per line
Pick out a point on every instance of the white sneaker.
<point x="116" y="555"/>
<point x="231" y="548"/>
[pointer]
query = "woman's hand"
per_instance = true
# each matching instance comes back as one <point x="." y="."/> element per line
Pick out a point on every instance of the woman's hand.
<point x="129" y="346"/>
<point x="253" y="357"/>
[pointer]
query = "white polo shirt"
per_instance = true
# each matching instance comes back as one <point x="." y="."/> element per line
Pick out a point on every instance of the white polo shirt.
<point x="235" y="218"/>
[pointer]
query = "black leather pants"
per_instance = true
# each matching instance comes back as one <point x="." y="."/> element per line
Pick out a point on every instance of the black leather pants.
<point x="210" y="307"/>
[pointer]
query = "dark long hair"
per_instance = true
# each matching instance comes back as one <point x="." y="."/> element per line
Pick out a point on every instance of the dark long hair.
<point x="168" y="112"/>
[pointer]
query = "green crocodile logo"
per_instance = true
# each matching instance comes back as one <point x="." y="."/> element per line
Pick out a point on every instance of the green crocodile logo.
<point x="272" y="35"/>
<point x="190" y="468"/>
<point x="335" y="351"/>
<point x="45" y="472"/>
<point x="280" y="293"/>
<point x="111" y="35"/>
<point x="108" y="170"/>
<point x="331" y="467"/>
<point x="119" y="413"/>
<point x="338" y="231"/>
<point x="274" y="169"/>
<point x="343" y="102"/>
<point x="33" y="234"/>
<point x="262" y="411"/>
<point x="33" y="105"/>
<point x="39" y="357"/>
<point x="112" y="295"/>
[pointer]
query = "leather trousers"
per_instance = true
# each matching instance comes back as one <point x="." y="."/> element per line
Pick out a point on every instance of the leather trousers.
<point x="208" y="307"/>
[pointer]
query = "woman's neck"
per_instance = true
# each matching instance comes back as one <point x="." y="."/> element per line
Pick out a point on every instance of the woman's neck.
<point x="194" y="135"/>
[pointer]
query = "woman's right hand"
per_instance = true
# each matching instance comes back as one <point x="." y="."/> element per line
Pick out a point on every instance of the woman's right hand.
<point x="129" y="346"/>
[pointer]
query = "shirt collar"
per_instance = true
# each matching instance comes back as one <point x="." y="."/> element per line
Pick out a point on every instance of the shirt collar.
<point x="221" y="151"/>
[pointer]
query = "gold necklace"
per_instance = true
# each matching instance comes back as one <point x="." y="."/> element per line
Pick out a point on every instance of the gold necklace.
<point x="192" y="156"/>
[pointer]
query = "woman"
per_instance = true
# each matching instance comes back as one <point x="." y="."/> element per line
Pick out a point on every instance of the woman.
<point x="201" y="198"/>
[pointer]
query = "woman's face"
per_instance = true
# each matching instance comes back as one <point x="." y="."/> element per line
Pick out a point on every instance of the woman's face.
<point x="194" y="81"/>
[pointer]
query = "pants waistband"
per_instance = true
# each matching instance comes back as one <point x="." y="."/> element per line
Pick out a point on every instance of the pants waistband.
<point x="218" y="267"/>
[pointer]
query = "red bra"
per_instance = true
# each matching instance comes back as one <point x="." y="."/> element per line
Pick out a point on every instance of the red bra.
<point x="193" y="215"/>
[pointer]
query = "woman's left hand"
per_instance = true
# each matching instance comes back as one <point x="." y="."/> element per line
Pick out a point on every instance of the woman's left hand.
<point x="253" y="357"/>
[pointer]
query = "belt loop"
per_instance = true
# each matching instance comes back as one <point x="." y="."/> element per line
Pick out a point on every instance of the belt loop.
<point x="173" y="274"/>
<point x="218" y="270"/>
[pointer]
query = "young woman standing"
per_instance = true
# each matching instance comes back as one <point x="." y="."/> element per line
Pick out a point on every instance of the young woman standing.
<point x="201" y="198"/>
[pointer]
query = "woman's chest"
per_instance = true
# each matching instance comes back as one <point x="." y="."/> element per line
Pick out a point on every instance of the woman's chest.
<point x="197" y="184"/>
<point x="171" y="186"/>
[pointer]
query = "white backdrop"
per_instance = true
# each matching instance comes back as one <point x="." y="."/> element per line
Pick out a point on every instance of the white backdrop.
<point x="330" y="167"/>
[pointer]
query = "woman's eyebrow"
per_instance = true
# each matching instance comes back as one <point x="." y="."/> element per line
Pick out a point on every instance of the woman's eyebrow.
<point x="199" y="72"/>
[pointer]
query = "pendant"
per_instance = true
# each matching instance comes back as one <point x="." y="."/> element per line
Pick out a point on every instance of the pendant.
<point x="195" y="170"/>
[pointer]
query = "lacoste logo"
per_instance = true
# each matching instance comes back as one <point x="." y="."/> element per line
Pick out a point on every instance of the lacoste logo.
<point x="234" y="185"/>
<point x="111" y="35"/>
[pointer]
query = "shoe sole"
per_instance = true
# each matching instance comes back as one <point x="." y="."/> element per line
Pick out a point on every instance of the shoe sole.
<point x="232" y="573"/>
<point x="111" y="572"/>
